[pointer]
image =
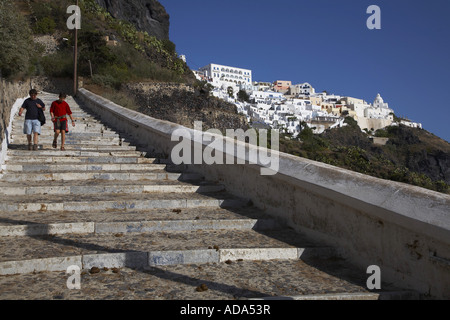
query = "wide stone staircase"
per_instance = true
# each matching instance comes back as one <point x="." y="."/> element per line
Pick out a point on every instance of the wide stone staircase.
<point x="139" y="229"/>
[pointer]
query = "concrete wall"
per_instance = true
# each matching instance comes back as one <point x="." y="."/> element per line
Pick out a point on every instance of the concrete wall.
<point x="403" y="229"/>
<point x="371" y="123"/>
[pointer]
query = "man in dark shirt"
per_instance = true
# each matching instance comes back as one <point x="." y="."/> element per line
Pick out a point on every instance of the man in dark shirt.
<point x="32" y="124"/>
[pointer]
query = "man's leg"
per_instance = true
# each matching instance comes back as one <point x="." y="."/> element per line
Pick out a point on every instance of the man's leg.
<point x="29" y="141"/>
<point x="36" y="131"/>
<point x="55" y="138"/>
<point x="35" y="139"/>
<point x="28" y="129"/>
<point x="63" y="138"/>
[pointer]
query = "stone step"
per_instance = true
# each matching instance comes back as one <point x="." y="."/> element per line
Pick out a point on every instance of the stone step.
<point x="223" y="281"/>
<point x="82" y="120"/>
<point x="73" y="159"/>
<point x="31" y="218"/>
<point x="62" y="188"/>
<point x="97" y="202"/>
<point x="76" y="114"/>
<point x="76" y="153"/>
<point x="72" y="140"/>
<point x="77" y="147"/>
<point x="76" y="135"/>
<point x="89" y="136"/>
<point x="385" y="295"/>
<point x="48" y="132"/>
<point x="134" y="227"/>
<point x="75" y="144"/>
<point x="166" y="245"/>
<point x="79" y="127"/>
<point x="100" y="175"/>
<point x="47" y="168"/>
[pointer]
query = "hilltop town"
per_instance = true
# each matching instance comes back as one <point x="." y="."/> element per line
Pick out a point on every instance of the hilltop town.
<point x="287" y="106"/>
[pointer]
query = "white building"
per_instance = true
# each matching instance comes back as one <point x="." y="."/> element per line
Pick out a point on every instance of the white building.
<point x="379" y="110"/>
<point x="266" y="96"/>
<point x="303" y="89"/>
<point x="262" y="86"/>
<point x="411" y="124"/>
<point x="224" y="76"/>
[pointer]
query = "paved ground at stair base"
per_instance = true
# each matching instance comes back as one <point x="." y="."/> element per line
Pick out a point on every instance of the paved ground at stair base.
<point x="236" y="280"/>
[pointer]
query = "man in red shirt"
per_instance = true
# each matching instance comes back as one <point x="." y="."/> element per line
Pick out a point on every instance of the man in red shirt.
<point x="59" y="112"/>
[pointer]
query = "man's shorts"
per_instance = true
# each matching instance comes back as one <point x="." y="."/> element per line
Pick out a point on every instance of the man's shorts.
<point x="61" y="125"/>
<point x="31" y="126"/>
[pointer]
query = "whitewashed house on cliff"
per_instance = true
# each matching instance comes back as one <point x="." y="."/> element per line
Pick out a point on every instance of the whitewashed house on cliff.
<point x="222" y="76"/>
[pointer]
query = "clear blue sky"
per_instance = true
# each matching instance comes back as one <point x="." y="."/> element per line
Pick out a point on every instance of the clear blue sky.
<point x="327" y="43"/>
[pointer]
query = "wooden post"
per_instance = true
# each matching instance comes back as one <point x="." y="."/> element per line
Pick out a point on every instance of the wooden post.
<point x="75" y="63"/>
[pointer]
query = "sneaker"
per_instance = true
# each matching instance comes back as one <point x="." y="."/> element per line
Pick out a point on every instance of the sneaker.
<point x="35" y="147"/>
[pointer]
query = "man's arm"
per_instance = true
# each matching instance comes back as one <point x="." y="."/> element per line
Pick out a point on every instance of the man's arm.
<point x="69" y="112"/>
<point x="41" y="105"/>
<point x="52" y="114"/>
<point x="71" y="118"/>
<point x="22" y="108"/>
<point x="73" y="121"/>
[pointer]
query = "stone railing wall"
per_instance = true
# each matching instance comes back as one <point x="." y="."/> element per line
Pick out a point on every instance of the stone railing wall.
<point x="403" y="229"/>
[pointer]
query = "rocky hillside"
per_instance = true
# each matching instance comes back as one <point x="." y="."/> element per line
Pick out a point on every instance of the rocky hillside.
<point x="119" y="41"/>
<point x="413" y="156"/>
<point x="147" y="15"/>
<point x="184" y="105"/>
<point x="178" y="103"/>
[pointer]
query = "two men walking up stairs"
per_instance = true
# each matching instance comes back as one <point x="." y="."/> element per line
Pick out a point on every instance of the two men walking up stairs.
<point x="35" y="108"/>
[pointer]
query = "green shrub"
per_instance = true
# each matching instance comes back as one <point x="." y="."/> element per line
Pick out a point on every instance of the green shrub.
<point x="441" y="186"/>
<point x="381" y="133"/>
<point x="59" y="64"/>
<point x="351" y="122"/>
<point x="44" y="26"/>
<point x="16" y="46"/>
<point x="106" y="80"/>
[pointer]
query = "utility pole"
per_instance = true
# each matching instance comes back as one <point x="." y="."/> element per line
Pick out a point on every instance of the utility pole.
<point x="75" y="63"/>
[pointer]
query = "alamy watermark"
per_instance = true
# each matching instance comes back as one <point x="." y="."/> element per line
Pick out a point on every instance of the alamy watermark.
<point x="74" y="280"/>
<point x="374" y="281"/>
<point x="212" y="147"/>
<point x="74" y="21"/>
<point x="374" y="21"/>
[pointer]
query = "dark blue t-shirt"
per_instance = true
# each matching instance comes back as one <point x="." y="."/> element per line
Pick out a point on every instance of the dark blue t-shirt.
<point x="32" y="109"/>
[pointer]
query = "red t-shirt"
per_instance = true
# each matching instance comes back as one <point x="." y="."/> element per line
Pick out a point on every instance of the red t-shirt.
<point x="60" y="108"/>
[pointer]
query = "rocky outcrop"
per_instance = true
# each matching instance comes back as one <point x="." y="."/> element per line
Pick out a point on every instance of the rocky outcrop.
<point x="146" y="15"/>
<point x="182" y="104"/>
<point x="434" y="164"/>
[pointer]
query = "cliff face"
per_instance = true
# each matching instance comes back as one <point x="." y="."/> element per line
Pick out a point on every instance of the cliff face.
<point x="146" y="15"/>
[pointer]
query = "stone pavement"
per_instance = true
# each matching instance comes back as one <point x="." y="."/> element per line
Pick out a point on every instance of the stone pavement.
<point x="137" y="230"/>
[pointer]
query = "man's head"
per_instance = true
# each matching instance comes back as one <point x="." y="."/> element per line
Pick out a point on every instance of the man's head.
<point x="62" y="96"/>
<point x="33" y="93"/>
